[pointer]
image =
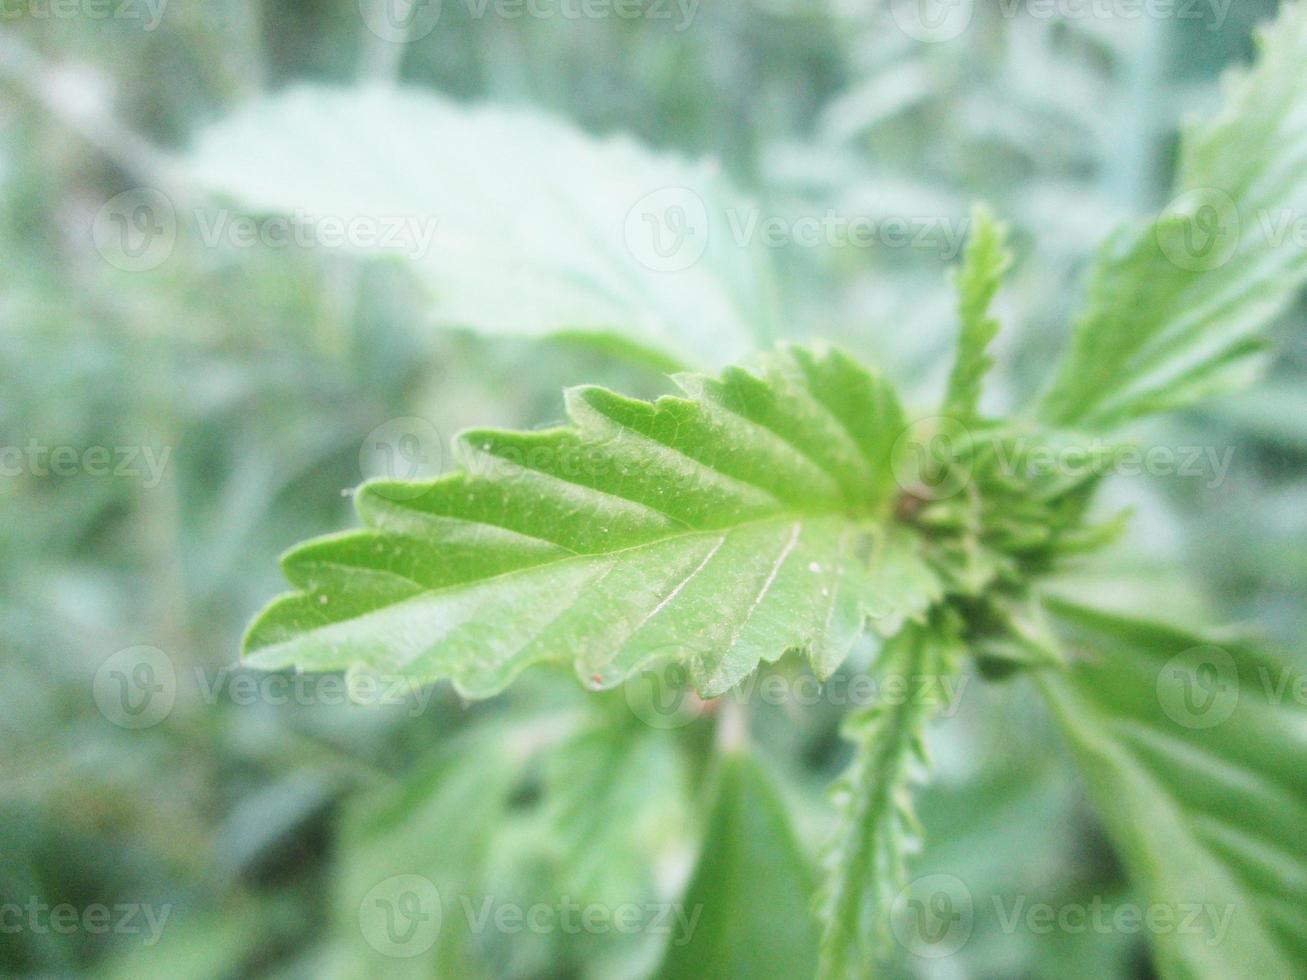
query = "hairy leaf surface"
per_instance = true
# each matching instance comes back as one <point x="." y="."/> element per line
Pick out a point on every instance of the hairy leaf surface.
<point x="1194" y="755"/>
<point x="718" y="530"/>
<point x="1175" y="307"/>
<point x="864" y="865"/>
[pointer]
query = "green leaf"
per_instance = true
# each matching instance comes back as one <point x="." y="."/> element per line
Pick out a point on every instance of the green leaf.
<point x="1194" y="755"/>
<point x="749" y="897"/>
<point x="210" y="945"/>
<point x="432" y="836"/>
<point x="1176" y="307"/>
<point x="865" y="862"/>
<point x="1273" y="412"/>
<point x="614" y="765"/>
<point x="983" y="266"/>
<point x="719" y="530"/>
<point x="516" y="221"/>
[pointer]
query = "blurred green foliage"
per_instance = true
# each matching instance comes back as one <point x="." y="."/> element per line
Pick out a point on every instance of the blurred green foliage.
<point x="261" y="371"/>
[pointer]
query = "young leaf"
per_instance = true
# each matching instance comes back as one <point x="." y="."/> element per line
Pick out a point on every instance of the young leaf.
<point x="1194" y="755"/>
<point x="983" y="266"/>
<point x="516" y="221"/>
<point x="1175" y="307"/>
<point x="864" y="865"/>
<point x="719" y="530"/>
<point x="749" y="898"/>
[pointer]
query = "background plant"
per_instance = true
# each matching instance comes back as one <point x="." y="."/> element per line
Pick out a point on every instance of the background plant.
<point x="272" y="387"/>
